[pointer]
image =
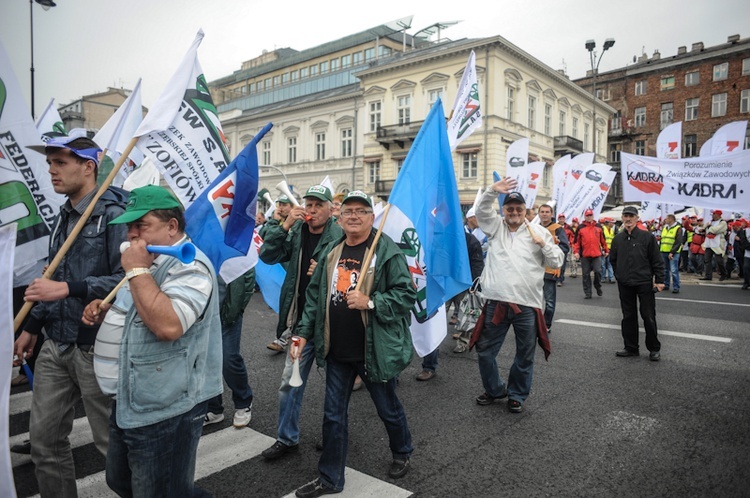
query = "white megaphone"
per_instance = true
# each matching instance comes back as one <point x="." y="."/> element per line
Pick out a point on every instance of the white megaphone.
<point x="268" y="198"/>
<point x="284" y="189"/>
<point x="296" y="379"/>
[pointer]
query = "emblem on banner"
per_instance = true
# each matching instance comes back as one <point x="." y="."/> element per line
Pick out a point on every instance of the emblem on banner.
<point x="647" y="179"/>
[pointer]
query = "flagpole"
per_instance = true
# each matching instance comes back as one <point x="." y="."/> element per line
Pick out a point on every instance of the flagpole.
<point x="371" y="249"/>
<point x="77" y="228"/>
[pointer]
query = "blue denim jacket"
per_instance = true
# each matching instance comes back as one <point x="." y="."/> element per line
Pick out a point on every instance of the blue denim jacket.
<point x="162" y="379"/>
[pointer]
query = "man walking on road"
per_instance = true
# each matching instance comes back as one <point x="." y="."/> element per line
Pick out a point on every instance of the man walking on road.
<point x="589" y="247"/>
<point x="551" y="275"/>
<point x="637" y="262"/>
<point x="670" y="247"/>
<point x="715" y="246"/>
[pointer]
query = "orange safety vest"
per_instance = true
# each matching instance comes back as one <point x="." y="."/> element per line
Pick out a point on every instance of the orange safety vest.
<point x="552" y="229"/>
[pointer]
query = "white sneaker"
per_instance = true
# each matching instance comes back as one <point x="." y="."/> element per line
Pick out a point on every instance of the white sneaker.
<point x="212" y="418"/>
<point x="242" y="417"/>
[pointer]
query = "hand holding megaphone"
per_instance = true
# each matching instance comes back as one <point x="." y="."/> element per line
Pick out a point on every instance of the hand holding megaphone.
<point x="185" y="252"/>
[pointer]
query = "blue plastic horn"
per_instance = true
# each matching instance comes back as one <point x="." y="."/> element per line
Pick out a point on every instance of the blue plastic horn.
<point x="184" y="252"/>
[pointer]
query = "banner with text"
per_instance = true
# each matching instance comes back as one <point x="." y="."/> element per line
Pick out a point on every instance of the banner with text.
<point x="467" y="114"/>
<point x="584" y="190"/>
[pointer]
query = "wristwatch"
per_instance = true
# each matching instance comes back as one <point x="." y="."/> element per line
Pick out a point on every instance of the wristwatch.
<point x="370" y="304"/>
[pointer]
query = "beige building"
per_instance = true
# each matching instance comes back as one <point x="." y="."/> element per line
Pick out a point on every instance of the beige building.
<point x="92" y="111"/>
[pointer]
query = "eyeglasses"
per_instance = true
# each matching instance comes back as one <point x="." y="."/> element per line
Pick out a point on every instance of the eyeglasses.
<point x="519" y="209"/>
<point x="358" y="212"/>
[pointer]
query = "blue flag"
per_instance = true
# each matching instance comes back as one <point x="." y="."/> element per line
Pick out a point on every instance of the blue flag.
<point x="435" y="212"/>
<point x="500" y="197"/>
<point x="221" y="221"/>
<point x="270" y="278"/>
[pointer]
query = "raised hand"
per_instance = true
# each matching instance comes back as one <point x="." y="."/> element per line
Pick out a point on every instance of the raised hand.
<point x="505" y="186"/>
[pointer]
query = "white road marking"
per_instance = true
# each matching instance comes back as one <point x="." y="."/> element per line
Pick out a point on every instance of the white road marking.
<point x="661" y="332"/>
<point x="359" y="485"/>
<point x="703" y="302"/>
<point x="20" y="403"/>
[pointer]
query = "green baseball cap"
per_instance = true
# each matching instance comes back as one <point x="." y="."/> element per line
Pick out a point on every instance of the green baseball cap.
<point x="357" y="195"/>
<point x="145" y="199"/>
<point x="319" y="192"/>
<point x="284" y="199"/>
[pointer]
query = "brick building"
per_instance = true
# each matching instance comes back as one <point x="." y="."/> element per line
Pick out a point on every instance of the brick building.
<point x="704" y="87"/>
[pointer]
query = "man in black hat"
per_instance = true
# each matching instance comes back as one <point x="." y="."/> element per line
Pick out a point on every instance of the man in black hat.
<point x="637" y="263"/>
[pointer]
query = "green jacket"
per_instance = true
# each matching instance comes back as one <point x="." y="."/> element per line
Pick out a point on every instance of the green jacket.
<point x="388" y="346"/>
<point x="235" y="297"/>
<point x="280" y="246"/>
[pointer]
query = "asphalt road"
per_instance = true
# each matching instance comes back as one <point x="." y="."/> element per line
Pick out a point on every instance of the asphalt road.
<point x="594" y="425"/>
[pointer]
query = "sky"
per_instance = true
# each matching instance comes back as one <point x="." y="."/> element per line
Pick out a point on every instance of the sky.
<point x="85" y="46"/>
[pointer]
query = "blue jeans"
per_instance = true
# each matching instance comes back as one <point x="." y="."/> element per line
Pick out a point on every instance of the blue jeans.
<point x="430" y="361"/>
<point x="671" y="267"/>
<point x="233" y="369"/>
<point x="155" y="460"/>
<point x="339" y="381"/>
<point x="607" y="271"/>
<point x="550" y="300"/>
<point x="290" y="398"/>
<point x="488" y="347"/>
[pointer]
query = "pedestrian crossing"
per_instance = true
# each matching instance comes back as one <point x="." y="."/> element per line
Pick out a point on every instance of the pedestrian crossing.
<point x="217" y="451"/>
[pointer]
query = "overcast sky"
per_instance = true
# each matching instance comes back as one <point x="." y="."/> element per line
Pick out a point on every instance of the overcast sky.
<point x="84" y="46"/>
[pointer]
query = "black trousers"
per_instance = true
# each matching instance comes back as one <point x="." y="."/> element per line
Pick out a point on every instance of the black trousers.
<point x="710" y="255"/>
<point x="587" y="266"/>
<point x="631" y="296"/>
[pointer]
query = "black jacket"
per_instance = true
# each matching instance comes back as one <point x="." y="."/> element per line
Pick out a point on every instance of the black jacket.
<point x="636" y="259"/>
<point x="476" y="259"/>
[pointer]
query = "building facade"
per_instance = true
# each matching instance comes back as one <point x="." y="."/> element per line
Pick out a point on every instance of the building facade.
<point x="704" y="87"/>
<point x="90" y="112"/>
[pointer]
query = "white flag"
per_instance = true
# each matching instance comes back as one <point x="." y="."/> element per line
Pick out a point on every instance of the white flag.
<point x="601" y="195"/>
<point x="584" y="191"/>
<point x="467" y="114"/>
<point x="669" y="142"/>
<point x="559" y="174"/>
<point x="50" y="124"/>
<point x="576" y="167"/>
<point x="729" y="138"/>
<point x="182" y="133"/>
<point x="327" y="183"/>
<point x="516" y="159"/>
<point x="7" y="248"/>
<point x="535" y="171"/>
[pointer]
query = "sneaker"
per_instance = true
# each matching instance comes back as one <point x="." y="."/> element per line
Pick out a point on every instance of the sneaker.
<point x="19" y="380"/>
<point x="425" y="375"/>
<point x="212" y="418"/>
<point x="453" y="320"/>
<point x="514" y="406"/>
<point x="461" y="347"/>
<point x="398" y="468"/>
<point x="357" y="384"/>
<point x="275" y="346"/>
<point x="242" y="417"/>
<point x="599" y="292"/>
<point x="559" y="284"/>
<point x="485" y="399"/>
<point x="456" y="336"/>
<point x="314" y="489"/>
<point x="279" y="449"/>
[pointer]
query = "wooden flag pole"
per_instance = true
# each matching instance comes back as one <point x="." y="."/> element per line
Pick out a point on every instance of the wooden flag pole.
<point x="77" y="228"/>
<point x="371" y="250"/>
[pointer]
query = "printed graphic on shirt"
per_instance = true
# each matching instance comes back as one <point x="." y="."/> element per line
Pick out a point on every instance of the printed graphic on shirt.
<point x="345" y="278"/>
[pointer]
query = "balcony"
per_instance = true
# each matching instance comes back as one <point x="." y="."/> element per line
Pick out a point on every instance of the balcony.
<point x="397" y="134"/>
<point x="567" y="145"/>
<point x="621" y="127"/>
<point x="383" y="188"/>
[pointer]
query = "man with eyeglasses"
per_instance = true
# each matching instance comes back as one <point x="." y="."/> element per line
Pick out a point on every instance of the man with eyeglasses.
<point x="512" y="285"/>
<point x="638" y="263"/>
<point x="361" y="332"/>
<point x="300" y="242"/>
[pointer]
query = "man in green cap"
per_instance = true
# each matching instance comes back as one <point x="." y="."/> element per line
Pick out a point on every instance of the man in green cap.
<point x="158" y="351"/>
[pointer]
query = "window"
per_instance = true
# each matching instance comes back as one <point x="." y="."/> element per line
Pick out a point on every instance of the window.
<point x="745" y="67"/>
<point x="616" y="122"/>
<point x="469" y="165"/>
<point x="404" y="109"/>
<point x="346" y="61"/>
<point x="334" y="64"/>
<point x="252" y="87"/>
<point x="304" y="73"/>
<point x="369" y="54"/>
<point x="295" y="75"/>
<point x="614" y="153"/>
<point x="324" y="67"/>
<point x="667" y="115"/>
<point x="640" y="147"/>
<point x="268" y="83"/>
<point x="399" y="164"/>
<point x="320" y="146"/>
<point x="276" y="80"/>
<point x="640" y="87"/>
<point x="346" y="142"/>
<point x="266" y="152"/>
<point x="547" y="118"/>
<point x="721" y="71"/>
<point x="667" y="83"/>
<point x="384" y="51"/>
<point x="575" y="127"/>
<point x="511" y="102"/>
<point x="291" y="147"/>
<point x="718" y="105"/>
<point x="546" y="175"/>
<point x="531" y="118"/>
<point x="434" y="95"/>
<point x="562" y="123"/>
<point x="357" y="58"/>
<point x="374" y="115"/>
<point x="640" y="117"/>
<point x="692" y="78"/>
<point x="260" y="86"/>
<point x="691" y="109"/>
<point x="745" y="101"/>
<point x="285" y="78"/>
<point x="691" y="145"/>
<point x="314" y="70"/>
<point x="373" y="171"/>
<point x="586" y="135"/>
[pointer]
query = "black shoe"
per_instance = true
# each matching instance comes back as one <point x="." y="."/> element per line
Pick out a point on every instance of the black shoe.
<point x="599" y="292"/>
<point x="626" y="353"/>
<point x="314" y="489"/>
<point x="319" y="446"/>
<point x="675" y="291"/>
<point x="706" y="278"/>
<point x="398" y="469"/>
<point x="22" y="449"/>
<point x="745" y="287"/>
<point x="485" y="399"/>
<point x="666" y="288"/>
<point x="654" y="356"/>
<point x="722" y="278"/>
<point x="587" y="297"/>
<point x="279" y="449"/>
<point x="514" y="406"/>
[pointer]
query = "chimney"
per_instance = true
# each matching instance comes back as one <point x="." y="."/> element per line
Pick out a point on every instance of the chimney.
<point x="643" y="58"/>
<point x="681" y="50"/>
<point x="697" y="47"/>
<point x="562" y="72"/>
<point x="733" y="38"/>
<point x="656" y="55"/>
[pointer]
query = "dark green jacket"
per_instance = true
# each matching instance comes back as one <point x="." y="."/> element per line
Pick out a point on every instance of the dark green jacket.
<point x="388" y="346"/>
<point x="280" y="246"/>
<point x="235" y="297"/>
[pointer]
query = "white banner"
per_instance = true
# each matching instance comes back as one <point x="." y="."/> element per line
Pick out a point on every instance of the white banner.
<point x="559" y="175"/>
<point x="7" y="245"/>
<point x="669" y="142"/>
<point x="535" y="171"/>
<point x="50" y="123"/>
<point x="575" y="169"/>
<point x="729" y="138"/>
<point x="26" y="194"/>
<point x="597" y="204"/>
<point x="516" y="159"/>
<point x="718" y="182"/>
<point x="584" y="190"/>
<point x="467" y="113"/>
<point x="182" y="133"/>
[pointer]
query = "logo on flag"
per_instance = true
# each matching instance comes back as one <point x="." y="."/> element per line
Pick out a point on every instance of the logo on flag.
<point x="222" y="197"/>
<point x="645" y="179"/>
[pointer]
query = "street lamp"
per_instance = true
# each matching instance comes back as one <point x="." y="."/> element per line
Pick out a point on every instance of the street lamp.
<point x="590" y="46"/>
<point x="46" y="5"/>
